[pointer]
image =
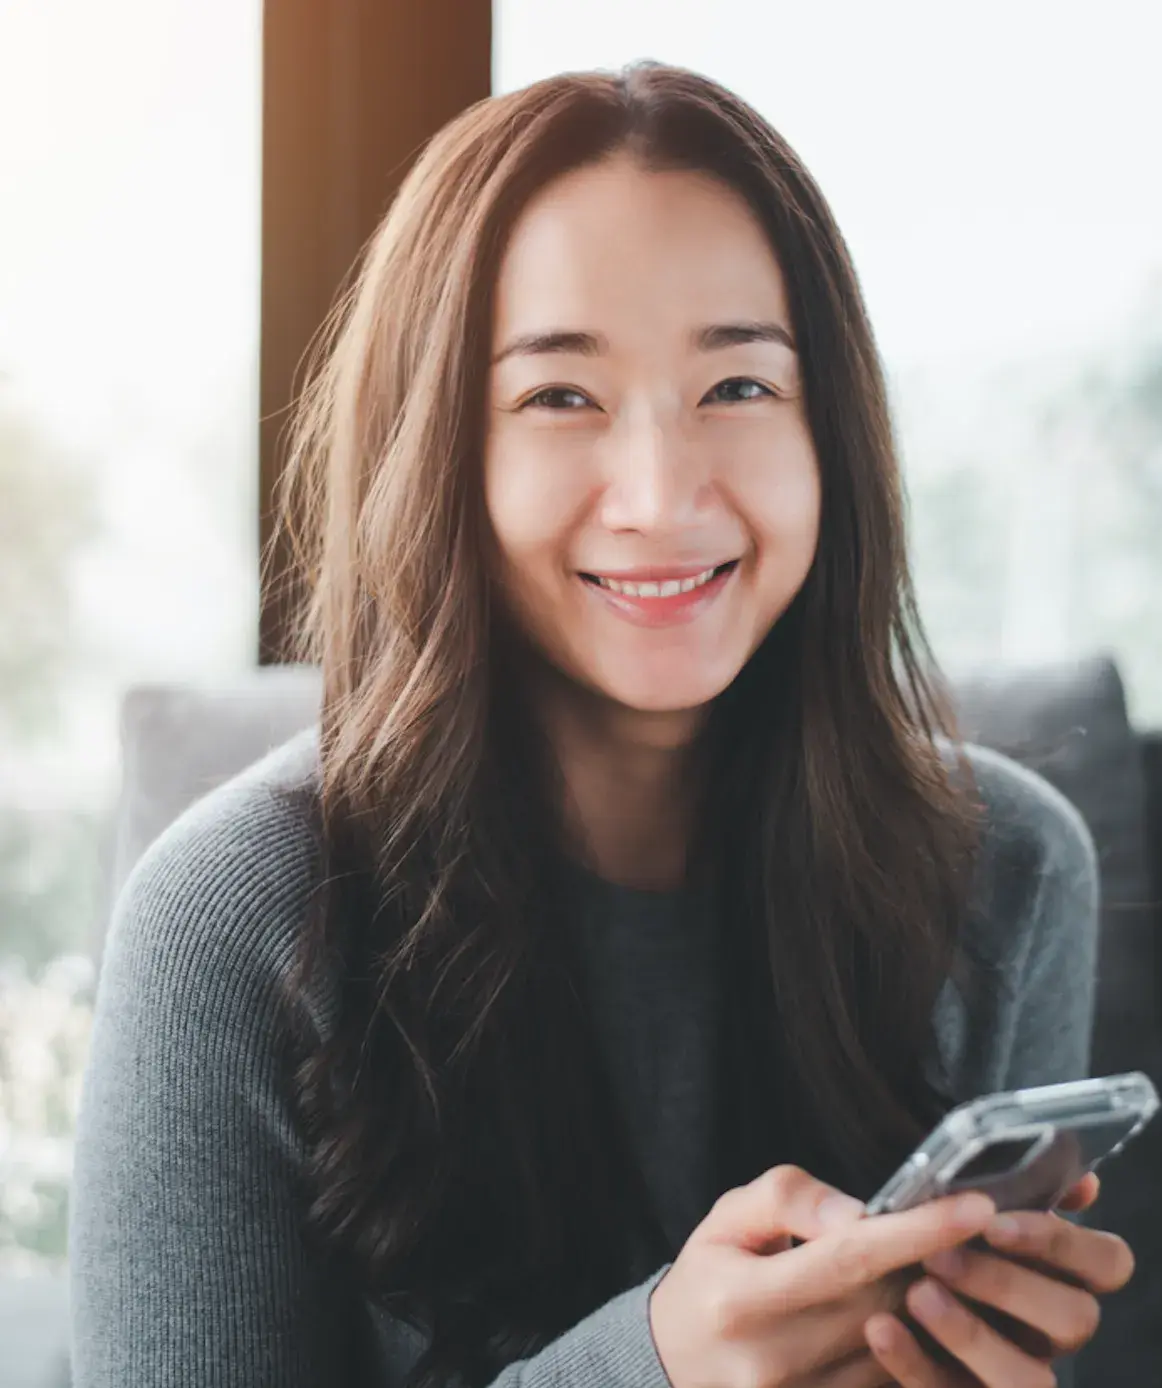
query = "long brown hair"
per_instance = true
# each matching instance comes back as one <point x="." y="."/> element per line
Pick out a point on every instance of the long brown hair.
<point x="467" y="1163"/>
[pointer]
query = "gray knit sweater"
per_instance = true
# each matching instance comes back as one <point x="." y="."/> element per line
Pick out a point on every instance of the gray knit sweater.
<point x="188" y="1264"/>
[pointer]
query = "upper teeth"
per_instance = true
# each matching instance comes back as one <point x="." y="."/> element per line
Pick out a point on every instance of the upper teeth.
<point x="667" y="589"/>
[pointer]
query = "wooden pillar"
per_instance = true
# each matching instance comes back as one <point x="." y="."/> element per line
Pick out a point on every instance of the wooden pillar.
<point x="351" y="91"/>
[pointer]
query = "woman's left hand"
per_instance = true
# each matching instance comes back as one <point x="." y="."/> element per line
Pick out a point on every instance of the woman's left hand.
<point x="1062" y="1313"/>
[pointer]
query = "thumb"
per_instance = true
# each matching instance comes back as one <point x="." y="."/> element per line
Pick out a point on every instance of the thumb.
<point x="783" y="1203"/>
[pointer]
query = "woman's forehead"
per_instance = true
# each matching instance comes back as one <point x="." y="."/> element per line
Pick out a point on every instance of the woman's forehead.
<point x="607" y="244"/>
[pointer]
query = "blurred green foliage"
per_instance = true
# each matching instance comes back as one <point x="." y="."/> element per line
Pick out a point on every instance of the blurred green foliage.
<point x="48" y="850"/>
<point x="47" y="513"/>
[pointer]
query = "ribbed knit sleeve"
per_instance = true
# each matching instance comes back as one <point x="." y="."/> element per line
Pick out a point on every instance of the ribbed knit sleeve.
<point x="188" y="1263"/>
<point x="1056" y="985"/>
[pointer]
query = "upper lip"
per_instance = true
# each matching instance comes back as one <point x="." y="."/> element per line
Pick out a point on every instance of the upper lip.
<point x="657" y="573"/>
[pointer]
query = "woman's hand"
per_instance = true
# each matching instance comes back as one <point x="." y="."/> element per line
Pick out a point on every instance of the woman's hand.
<point x="1047" y="1280"/>
<point x="726" y="1313"/>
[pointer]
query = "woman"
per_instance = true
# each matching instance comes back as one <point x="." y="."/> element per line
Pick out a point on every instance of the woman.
<point x="544" y="1017"/>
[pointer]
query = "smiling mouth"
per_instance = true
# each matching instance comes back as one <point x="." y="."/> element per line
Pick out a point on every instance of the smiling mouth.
<point x="660" y="588"/>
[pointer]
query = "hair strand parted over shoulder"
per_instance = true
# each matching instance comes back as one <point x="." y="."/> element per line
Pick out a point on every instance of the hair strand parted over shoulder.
<point x="466" y="1160"/>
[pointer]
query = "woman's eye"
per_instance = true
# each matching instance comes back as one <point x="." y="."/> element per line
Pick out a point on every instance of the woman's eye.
<point x="740" y="388"/>
<point x="556" y="398"/>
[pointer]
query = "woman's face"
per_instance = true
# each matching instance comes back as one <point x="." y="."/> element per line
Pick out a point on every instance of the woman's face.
<point x="649" y="474"/>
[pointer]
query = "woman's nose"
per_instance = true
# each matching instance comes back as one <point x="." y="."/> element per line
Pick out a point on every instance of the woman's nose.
<point x="655" y="481"/>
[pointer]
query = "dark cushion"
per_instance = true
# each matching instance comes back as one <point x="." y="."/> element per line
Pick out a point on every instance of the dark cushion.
<point x="1068" y="722"/>
<point x="1152" y="762"/>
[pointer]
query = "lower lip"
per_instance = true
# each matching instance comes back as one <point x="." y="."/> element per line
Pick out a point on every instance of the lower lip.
<point x="663" y="612"/>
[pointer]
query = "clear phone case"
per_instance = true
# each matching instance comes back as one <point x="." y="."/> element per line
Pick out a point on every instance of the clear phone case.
<point x="1026" y="1147"/>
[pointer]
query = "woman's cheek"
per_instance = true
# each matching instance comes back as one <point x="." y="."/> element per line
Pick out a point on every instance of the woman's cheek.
<point x="535" y="500"/>
<point x="774" y="484"/>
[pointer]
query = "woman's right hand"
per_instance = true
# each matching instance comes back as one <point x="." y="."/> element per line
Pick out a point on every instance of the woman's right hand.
<point x="728" y="1314"/>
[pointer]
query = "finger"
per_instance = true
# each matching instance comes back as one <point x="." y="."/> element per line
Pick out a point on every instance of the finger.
<point x="827" y="1334"/>
<point x="1068" y="1315"/>
<point x="843" y="1260"/>
<point x="896" y="1350"/>
<point x="995" y="1360"/>
<point x="1103" y="1262"/>
<point x="783" y="1201"/>
<point x="862" y="1370"/>
<point x="1082" y="1195"/>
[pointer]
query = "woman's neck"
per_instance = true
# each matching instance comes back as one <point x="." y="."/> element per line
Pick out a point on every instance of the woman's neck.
<point x="629" y="783"/>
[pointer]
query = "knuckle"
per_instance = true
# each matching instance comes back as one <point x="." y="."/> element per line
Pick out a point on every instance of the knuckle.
<point x="731" y="1209"/>
<point x="851" y="1259"/>
<point x="723" y="1207"/>
<point x="783" y="1183"/>
<point x="1055" y="1235"/>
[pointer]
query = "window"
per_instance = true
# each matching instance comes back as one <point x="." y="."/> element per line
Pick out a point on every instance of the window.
<point x="129" y="242"/>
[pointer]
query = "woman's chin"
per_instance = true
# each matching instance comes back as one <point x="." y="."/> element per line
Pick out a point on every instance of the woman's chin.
<point x="662" y="696"/>
<point x="655" y="687"/>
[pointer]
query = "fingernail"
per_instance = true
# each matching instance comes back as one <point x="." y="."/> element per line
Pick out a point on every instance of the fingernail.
<point x="881" y="1335"/>
<point x="949" y="1262"/>
<point x="971" y="1211"/>
<point x="931" y="1299"/>
<point x="840" y="1209"/>
<point x="1004" y="1229"/>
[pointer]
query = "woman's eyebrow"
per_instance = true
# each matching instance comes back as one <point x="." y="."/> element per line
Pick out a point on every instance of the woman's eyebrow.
<point x="581" y="343"/>
<point x="719" y="335"/>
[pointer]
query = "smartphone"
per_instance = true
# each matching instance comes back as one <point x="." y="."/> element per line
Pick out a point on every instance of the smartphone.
<point x="1024" y="1148"/>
